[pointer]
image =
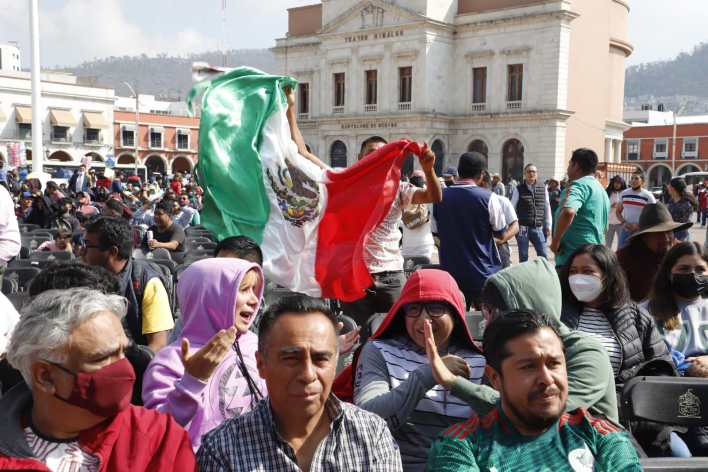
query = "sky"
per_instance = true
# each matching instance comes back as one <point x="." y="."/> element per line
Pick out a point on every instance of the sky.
<point x="73" y="31"/>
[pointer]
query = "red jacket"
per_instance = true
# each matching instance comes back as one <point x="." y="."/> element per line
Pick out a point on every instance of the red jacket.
<point x="425" y="285"/>
<point x="136" y="439"/>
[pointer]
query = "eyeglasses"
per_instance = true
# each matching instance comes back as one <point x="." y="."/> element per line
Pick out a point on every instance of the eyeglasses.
<point x="433" y="309"/>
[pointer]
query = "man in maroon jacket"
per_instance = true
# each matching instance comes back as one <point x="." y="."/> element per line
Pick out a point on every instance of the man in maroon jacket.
<point x="73" y="411"/>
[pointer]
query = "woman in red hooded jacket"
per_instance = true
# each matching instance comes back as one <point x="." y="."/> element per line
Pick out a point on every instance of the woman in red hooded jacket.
<point x="393" y="377"/>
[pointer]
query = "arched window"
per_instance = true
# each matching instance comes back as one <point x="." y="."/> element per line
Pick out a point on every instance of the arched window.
<point x="338" y="154"/>
<point x="512" y="160"/>
<point x="439" y="151"/>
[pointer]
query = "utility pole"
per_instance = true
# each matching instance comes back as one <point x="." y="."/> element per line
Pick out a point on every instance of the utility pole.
<point x="223" y="30"/>
<point x="136" y="134"/>
<point x="37" y="135"/>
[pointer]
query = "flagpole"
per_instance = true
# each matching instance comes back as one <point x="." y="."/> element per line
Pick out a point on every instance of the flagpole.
<point x="37" y="151"/>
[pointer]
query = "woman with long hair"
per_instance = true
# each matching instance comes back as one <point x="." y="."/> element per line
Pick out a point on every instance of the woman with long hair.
<point x="596" y="301"/>
<point x="677" y="304"/>
<point x="614" y="191"/>
<point x="681" y="205"/>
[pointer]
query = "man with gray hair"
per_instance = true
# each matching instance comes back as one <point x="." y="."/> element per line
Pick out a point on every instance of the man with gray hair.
<point x="73" y="412"/>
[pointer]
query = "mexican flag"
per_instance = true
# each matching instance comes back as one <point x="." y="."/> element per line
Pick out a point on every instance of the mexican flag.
<point x="310" y="223"/>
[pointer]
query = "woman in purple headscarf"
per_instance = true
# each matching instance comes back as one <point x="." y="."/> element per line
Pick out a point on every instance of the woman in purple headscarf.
<point x="210" y="375"/>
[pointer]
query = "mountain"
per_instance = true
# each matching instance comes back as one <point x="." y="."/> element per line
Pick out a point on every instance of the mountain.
<point x="167" y="77"/>
<point x="678" y="83"/>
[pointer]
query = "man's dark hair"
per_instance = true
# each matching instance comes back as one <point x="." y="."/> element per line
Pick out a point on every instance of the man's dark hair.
<point x="243" y="247"/>
<point x="112" y="231"/>
<point x="296" y="303"/>
<point x="510" y="325"/>
<point x="114" y="205"/>
<point x="65" y="275"/>
<point x="586" y="159"/>
<point x="165" y="205"/>
<point x="371" y="140"/>
<point x="471" y="165"/>
<point x="530" y="164"/>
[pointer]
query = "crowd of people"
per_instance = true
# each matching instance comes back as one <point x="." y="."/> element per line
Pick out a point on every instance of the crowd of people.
<point x="110" y="362"/>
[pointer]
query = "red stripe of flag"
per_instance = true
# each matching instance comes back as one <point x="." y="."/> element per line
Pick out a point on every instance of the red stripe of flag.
<point x="358" y="199"/>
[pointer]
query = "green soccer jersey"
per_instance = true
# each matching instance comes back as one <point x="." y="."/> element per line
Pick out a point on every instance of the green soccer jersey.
<point x="578" y="443"/>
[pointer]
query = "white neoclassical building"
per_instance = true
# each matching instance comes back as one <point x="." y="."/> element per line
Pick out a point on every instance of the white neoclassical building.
<point x="77" y="119"/>
<point x="518" y="80"/>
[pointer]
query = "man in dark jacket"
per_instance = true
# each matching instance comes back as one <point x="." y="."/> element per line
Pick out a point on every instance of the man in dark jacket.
<point x="534" y="211"/>
<point x="646" y="248"/>
<point x="69" y="339"/>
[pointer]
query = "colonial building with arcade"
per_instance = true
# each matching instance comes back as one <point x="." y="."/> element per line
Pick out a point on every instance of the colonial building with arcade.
<point x="518" y="80"/>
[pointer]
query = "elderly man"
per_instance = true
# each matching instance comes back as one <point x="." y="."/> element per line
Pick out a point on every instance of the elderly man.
<point x="528" y="429"/>
<point x="73" y="412"/>
<point x="641" y="257"/>
<point x="301" y="426"/>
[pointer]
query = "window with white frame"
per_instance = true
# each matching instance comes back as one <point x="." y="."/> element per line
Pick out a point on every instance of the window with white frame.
<point x="661" y="148"/>
<point x="690" y="148"/>
<point x="633" y="150"/>
<point x="182" y="139"/>
<point x="127" y="136"/>
<point x="156" y="138"/>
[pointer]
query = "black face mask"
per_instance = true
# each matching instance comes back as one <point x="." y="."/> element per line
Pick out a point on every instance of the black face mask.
<point x="689" y="285"/>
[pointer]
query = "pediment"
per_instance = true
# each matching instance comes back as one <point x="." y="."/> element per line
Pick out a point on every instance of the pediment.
<point x="371" y="14"/>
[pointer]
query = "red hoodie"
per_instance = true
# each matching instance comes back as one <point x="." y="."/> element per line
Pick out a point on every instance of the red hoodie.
<point x="423" y="285"/>
<point x="136" y="439"/>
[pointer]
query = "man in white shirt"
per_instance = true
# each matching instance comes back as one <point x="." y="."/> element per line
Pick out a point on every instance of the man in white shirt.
<point x="9" y="230"/>
<point x="632" y="202"/>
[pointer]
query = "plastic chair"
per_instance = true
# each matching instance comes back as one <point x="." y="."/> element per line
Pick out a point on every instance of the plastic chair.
<point x="16" y="280"/>
<point x="32" y="242"/>
<point x="28" y="227"/>
<point x="51" y="256"/>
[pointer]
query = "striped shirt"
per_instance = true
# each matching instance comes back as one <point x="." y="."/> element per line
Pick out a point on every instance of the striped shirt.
<point x="633" y="201"/>
<point x="595" y="323"/>
<point x="357" y="441"/>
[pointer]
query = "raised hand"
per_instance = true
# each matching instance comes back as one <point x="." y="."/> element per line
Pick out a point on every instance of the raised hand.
<point x="447" y="368"/>
<point x="427" y="158"/>
<point x="349" y="340"/>
<point x="290" y="95"/>
<point x="204" y="362"/>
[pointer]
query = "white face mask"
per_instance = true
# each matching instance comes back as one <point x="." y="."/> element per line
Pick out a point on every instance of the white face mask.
<point x="586" y="288"/>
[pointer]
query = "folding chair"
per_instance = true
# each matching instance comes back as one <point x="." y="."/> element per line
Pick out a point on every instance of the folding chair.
<point x="16" y="280"/>
<point x="679" y="401"/>
<point x="28" y="227"/>
<point x="200" y="245"/>
<point x="51" y="256"/>
<point x="32" y="242"/>
<point x="196" y="239"/>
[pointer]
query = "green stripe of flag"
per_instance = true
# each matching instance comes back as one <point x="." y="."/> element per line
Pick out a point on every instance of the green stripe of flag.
<point x="234" y="109"/>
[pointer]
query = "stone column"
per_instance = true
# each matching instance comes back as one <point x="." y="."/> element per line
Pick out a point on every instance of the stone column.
<point x="618" y="151"/>
<point x="608" y="150"/>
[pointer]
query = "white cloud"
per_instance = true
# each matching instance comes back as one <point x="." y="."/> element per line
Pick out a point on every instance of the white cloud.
<point x="80" y="30"/>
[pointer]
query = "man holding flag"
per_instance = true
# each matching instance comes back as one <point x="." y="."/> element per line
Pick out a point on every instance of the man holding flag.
<point x="322" y="231"/>
<point x="382" y="252"/>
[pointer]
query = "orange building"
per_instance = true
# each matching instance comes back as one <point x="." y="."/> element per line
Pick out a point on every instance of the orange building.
<point x="166" y="143"/>
<point x="653" y="149"/>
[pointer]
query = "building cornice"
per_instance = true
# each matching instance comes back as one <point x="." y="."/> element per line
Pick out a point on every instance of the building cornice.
<point x="477" y="21"/>
<point x="624" y="4"/>
<point x="618" y="125"/>
<point x="623" y="46"/>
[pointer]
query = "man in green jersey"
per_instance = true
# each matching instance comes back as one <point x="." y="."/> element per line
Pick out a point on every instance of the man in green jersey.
<point x="528" y="429"/>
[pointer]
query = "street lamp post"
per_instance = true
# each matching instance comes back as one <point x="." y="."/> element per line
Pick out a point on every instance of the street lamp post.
<point x="136" y="134"/>
<point x="37" y="135"/>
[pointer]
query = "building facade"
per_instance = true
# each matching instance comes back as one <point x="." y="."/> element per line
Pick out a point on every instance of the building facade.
<point x="76" y="120"/>
<point x="663" y="150"/>
<point x="512" y="79"/>
<point x="166" y="143"/>
<point x="10" y="59"/>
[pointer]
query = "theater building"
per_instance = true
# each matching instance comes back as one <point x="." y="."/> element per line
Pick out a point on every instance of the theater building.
<point x="518" y="80"/>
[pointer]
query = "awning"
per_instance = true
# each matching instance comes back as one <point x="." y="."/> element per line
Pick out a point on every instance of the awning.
<point x="3" y="116"/>
<point x="157" y="129"/>
<point x="23" y="114"/>
<point x="182" y="131"/>
<point x="94" y="120"/>
<point x="125" y="127"/>
<point x="62" y="118"/>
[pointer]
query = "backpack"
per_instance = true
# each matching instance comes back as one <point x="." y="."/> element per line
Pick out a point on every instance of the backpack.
<point x="139" y="279"/>
<point x="416" y="216"/>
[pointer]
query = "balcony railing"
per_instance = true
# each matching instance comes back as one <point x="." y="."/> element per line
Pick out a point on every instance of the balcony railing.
<point x="513" y="105"/>
<point x="404" y="106"/>
<point x="370" y="107"/>
<point x="303" y="116"/>
<point x="61" y="138"/>
<point x="338" y="109"/>
<point x="477" y="107"/>
<point x="93" y="140"/>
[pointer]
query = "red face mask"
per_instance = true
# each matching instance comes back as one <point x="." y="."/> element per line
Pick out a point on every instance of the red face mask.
<point x="103" y="392"/>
